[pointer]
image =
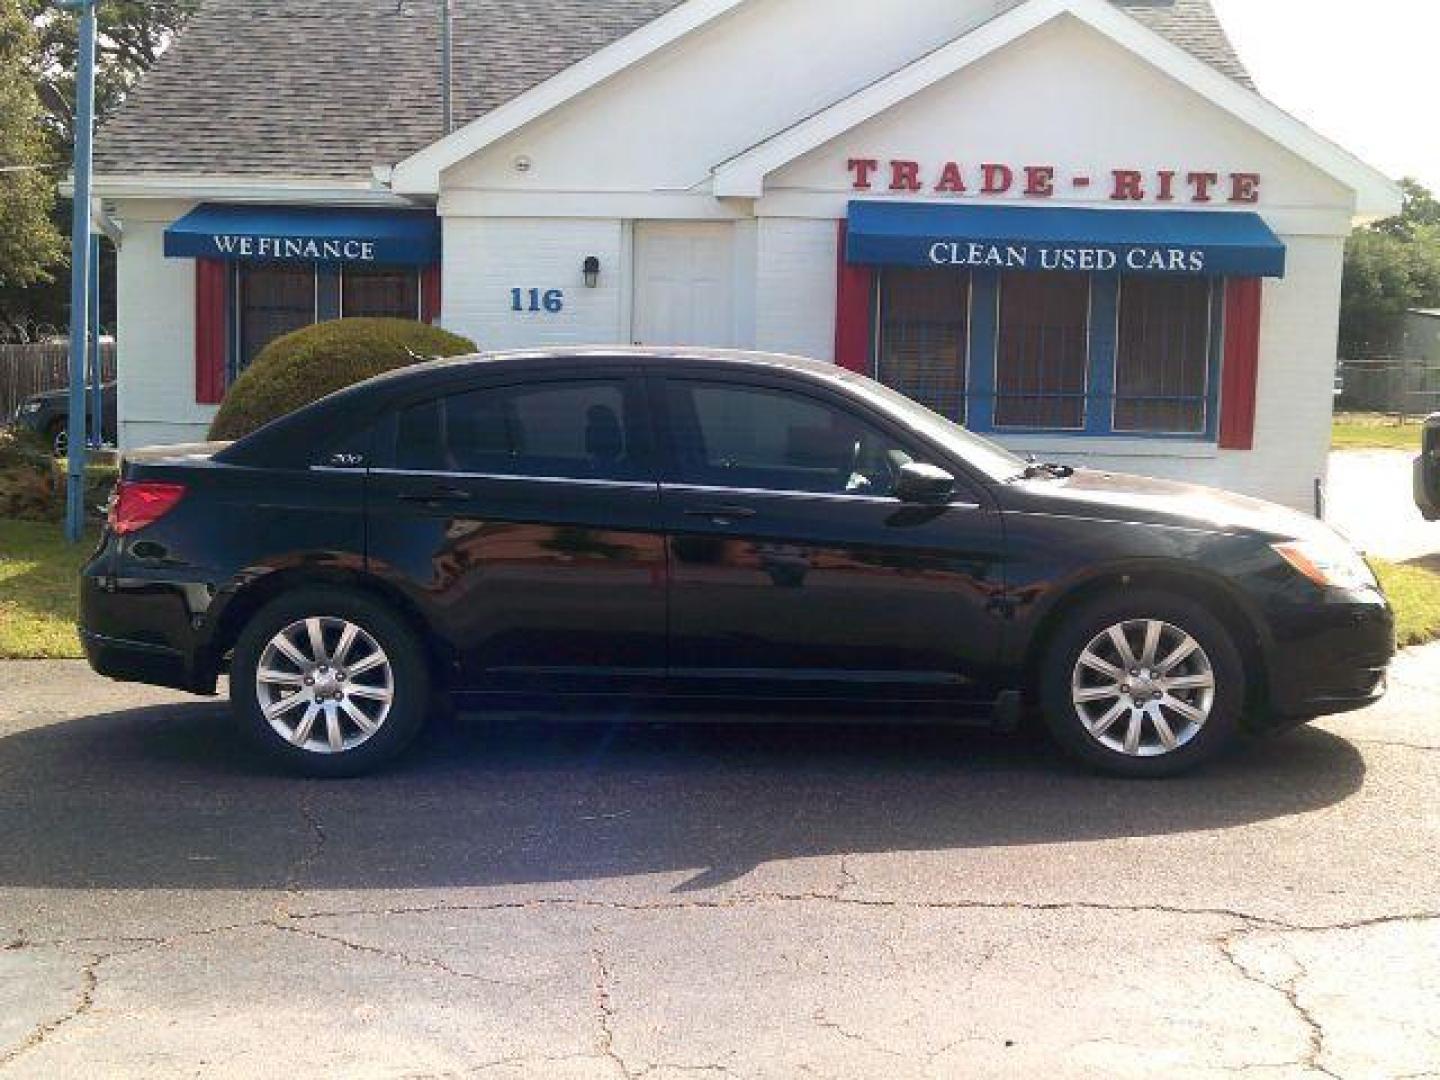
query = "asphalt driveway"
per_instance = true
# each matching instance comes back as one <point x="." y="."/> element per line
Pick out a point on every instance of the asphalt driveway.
<point x="665" y="901"/>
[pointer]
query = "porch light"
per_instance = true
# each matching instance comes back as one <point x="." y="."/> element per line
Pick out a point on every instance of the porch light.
<point x="591" y="270"/>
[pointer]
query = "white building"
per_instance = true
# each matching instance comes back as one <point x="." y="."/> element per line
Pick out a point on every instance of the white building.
<point x="1073" y="224"/>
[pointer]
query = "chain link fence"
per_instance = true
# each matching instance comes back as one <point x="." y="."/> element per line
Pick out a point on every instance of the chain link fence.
<point x="1400" y="386"/>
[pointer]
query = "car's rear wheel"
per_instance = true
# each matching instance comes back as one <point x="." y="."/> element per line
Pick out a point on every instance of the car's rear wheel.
<point x="1144" y="684"/>
<point x="59" y="438"/>
<point x="329" y="683"/>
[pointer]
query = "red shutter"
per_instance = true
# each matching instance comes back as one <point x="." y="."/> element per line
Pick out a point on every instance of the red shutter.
<point x="1242" y="363"/>
<point x="854" y="331"/>
<point x="430" y="294"/>
<point x="211" y="279"/>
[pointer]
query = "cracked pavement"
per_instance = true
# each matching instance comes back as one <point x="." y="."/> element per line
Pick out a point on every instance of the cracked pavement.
<point x="522" y="899"/>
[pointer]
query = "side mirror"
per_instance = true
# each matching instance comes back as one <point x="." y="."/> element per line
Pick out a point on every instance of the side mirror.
<point x="926" y="484"/>
<point x="1427" y="470"/>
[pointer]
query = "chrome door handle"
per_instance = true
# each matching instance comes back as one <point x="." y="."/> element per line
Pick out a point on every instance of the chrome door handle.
<point x="722" y="515"/>
<point x="437" y="496"/>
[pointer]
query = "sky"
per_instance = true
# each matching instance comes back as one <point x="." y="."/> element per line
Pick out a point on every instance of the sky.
<point x="1365" y="73"/>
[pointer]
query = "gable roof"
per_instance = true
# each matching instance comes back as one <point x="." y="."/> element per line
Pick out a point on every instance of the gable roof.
<point x="744" y="175"/>
<point x="326" y="89"/>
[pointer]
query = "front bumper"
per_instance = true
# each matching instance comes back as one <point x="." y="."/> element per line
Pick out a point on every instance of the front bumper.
<point x="1330" y="657"/>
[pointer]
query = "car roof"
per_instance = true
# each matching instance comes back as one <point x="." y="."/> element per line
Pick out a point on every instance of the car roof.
<point x="624" y="355"/>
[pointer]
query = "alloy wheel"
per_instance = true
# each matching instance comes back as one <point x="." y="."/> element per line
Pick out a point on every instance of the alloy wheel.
<point x="1143" y="688"/>
<point x="325" y="685"/>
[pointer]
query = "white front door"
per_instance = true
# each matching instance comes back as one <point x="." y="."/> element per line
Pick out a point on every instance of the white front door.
<point x="684" y="284"/>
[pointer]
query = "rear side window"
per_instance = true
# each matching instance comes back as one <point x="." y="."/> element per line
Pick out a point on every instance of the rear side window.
<point x="586" y="429"/>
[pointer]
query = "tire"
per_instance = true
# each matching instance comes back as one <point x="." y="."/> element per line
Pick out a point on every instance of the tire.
<point x="1200" y="720"/>
<point x="58" y="438"/>
<point x="345" y="747"/>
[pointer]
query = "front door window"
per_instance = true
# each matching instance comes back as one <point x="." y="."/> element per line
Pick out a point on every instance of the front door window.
<point x="760" y="438"/>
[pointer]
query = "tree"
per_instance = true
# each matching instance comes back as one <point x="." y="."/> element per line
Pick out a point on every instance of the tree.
<point x="30" y="245"/>
<point x="133" y="34"/>
<point x="40" y="52"/>
<point x="1420" y="211"/>
<point x="1390" y="267"/>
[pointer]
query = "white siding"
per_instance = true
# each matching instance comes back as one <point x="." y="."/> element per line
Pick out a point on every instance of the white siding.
<point x="156" y="334"/>
<point x="795" y="284"/>
<point x="1299" y="342"/>
<point x="485" y="258"/>
<point x="661" y="126"/>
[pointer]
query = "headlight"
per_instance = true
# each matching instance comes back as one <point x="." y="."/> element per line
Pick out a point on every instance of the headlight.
<point x="32" y="406"/>
<point x="1329" y="565"/>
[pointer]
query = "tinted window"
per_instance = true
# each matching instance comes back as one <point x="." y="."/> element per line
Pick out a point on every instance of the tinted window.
<point x="924" y="336"/>
<point x="1162" y="362"/>
<point x="577" y="430"/>
<point x="1043" y="350"/>
<point x="379" y="293"/>
<point x="274" y="300"/>
<point x="777" y="440"/>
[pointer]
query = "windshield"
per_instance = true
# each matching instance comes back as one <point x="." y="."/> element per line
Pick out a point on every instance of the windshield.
<point x="990" y="458"/>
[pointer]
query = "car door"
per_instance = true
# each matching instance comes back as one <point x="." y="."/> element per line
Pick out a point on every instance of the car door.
<point x="522" y="518"/>
<point x="794" y="565"/>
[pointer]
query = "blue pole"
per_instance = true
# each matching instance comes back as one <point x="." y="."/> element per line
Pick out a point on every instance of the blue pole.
<point x="97" y="371"/>
<point x="80" y="268"/>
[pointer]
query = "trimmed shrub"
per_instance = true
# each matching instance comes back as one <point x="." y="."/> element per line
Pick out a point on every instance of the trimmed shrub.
<point x="299" y="368"/>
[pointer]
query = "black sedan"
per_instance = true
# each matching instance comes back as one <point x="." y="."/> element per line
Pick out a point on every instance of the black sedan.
<point x="691" y="530"/>
<point x="48" y="415"/>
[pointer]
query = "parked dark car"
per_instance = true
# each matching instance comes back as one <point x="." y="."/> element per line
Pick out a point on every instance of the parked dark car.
<point x="688" y="529"/>
<point x="1427" y="469"/>
<point x="48" y="415"/>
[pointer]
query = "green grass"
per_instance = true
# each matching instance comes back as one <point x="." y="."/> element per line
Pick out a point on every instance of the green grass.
<point x="38" y="572"/>
<point x="1415" y="592"/>
<point x="1374" y="431"/>
<point x="37" y="591"/>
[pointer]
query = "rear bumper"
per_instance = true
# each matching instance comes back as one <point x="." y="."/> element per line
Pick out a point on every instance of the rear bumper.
<point x="142" y="631"/>
<point x="1331" y="658"/>
<point x="139" y="662"/>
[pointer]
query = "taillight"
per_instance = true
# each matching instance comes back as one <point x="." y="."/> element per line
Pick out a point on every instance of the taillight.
<point x="137" y="504"/>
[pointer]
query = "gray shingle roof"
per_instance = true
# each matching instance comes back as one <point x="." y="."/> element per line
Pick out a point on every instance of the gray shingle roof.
<point x="326" y="88"/>
<point x="1193" y="25"/>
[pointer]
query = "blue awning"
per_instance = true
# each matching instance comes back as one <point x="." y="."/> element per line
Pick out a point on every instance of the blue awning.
<point x="309" y="234"/>
<point x="1196" y="242"/>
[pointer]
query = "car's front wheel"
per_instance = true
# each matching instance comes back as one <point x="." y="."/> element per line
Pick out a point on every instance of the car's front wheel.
<point x="1143" y="684"/>
<point x="329" y="683"/>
